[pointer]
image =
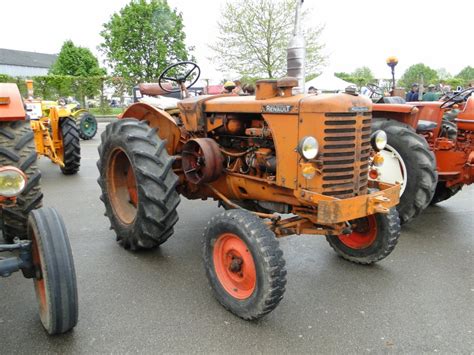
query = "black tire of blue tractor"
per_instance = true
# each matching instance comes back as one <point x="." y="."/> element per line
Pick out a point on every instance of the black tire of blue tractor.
<point x="46" y="229"/>
<point x="158" y="199"/>
<point x="71" y="146"/>
<point x="17" y="148"/>
<point x="267" y="256"/>
<point x="420" y="164"/>
<point x="388" y="233"/>
<point x="80" y="123"/>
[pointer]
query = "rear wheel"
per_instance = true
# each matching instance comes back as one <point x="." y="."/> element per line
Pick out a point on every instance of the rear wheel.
<point x="409" y="162"/>
<point x="244" y="264"/>
<point x="55" y="276"/>
<point x="138" y="184"/>
<point x="372" y="239"/>
<point x="87" y="125"/>
<point x="17" y="148"/>
<point x="71" y="150"/>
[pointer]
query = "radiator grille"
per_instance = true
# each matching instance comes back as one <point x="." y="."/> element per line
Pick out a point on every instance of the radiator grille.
<point x="345" y="154"/>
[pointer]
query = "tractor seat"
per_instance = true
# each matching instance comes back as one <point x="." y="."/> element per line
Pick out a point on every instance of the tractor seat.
<point x="393" y="100"/>
<point x="424" y="126"/>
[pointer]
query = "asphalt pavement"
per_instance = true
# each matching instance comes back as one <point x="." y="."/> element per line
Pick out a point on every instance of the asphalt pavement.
<point x="419" y="299"/>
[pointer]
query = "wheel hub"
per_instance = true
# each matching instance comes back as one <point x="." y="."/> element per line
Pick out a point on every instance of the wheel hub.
<point x="363" y="234"/>
<point x="234" y="266"/>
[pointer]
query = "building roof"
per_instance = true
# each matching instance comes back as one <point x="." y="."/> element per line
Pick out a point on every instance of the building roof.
<point x="26" y="59"/>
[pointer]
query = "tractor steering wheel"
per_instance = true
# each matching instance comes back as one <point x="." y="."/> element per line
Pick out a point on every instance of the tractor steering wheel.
<point x="375" y="89"/>
<point x="179" y="75"/>
<point x="459" y="97"/>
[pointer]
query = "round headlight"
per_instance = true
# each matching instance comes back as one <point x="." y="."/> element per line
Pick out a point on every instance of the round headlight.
<point x="308" y="147"/>
<point x="12" y="181"/>
<point x="378" y="140"/>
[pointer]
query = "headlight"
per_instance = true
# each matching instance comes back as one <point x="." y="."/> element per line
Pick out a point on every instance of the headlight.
<point x="308" y="147"/>
<point x="378" y="140"/>
<point x="12" y="181"/>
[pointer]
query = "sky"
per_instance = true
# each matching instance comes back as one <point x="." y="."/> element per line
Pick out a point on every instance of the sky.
<point x="357" y="33"/>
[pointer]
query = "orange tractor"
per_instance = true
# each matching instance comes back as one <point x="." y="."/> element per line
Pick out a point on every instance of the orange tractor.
<point x="263" y="157"/>
<point x="35" y="236"/>
<point x="430" y="149"/>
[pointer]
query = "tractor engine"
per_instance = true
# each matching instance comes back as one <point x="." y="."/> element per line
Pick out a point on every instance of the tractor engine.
<point x="247" y="145"/>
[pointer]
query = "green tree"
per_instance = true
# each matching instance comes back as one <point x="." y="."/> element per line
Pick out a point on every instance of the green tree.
<point x="466" y="75"/>
<point x="76" y="61"/>
<point x="254" y="34"/>
<point x="418" y="73"/>
<point x="142" y="39"/>
<point x="362" y="76"/>
<point x="344" y="76"/>
<point x="443" y="74"/>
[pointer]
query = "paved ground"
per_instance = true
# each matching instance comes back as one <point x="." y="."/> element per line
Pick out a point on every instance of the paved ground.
<point x="419" y="299"/>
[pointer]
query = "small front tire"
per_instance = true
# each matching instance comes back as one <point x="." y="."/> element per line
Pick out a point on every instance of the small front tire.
<point x="244" y="264"/>
<point x="372" y="239"/>
<point x="55" y="276"/>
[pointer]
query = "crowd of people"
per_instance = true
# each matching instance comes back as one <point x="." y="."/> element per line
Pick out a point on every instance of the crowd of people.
<point x="433" y="92"/>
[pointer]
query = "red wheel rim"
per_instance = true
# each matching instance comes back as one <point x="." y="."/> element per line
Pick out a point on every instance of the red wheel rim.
<point x="39" y="279"/>
<point x="122" y="186"/>
<point x="234" y="266"/>
<point x="363" y="234"/>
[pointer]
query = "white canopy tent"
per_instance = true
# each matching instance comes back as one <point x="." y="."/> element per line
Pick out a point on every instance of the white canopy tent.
<point x="327" y="82"/>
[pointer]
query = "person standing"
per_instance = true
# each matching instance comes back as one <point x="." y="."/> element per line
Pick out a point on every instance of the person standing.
<point x="413" y="93"/>
<point x="431" y="95"/>
<point x="238" y="88"/>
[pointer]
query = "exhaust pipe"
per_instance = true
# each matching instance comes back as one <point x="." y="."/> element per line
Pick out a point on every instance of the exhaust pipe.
<point x="296" y="52"/>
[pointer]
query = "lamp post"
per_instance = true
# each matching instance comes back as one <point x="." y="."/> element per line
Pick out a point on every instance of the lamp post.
<point x="392" y="63"/>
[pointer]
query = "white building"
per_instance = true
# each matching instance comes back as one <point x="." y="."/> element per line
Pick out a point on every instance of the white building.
<point x="26" y="64"/>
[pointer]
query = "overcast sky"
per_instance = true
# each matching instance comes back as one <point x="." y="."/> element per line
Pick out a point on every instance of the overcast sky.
<point x="357" y="33"/>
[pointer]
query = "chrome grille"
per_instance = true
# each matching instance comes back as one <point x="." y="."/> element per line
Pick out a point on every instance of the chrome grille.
<point x="345" y="153"/>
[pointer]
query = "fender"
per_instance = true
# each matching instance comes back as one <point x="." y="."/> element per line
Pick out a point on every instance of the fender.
<point x="167" y="128"/>
<point x="407" y="114"/>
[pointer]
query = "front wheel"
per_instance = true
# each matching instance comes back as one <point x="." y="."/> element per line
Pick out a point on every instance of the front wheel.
<point x="55" y="276"/>
<point x="87" y="125"/>
<point x="244" y="264"/>
<point x="372" y="238"/>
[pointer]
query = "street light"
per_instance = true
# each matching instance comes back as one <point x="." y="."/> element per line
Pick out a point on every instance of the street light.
<point x="392" y="63"/>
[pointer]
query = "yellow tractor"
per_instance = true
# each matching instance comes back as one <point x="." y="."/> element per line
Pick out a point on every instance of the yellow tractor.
<point x="56" y="135"/>
<point x="85" y="121"/>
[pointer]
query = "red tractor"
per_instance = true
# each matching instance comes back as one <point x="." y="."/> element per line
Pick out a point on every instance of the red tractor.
<point x="430" y="149"/>
<point x="35" y="238"/>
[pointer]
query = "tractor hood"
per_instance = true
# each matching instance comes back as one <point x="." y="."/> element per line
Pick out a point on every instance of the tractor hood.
<point x="288" y="105"/>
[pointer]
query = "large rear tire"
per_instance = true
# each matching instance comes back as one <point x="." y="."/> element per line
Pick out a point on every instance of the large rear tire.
<point x="71" y="152"/>
<point x="55" y="276"/>
<point x="372" y="239"/>
<point x="244" y="264"/>
<point x="417" y="167"/>
<point x="138" y="184"/>
<point x="17" y="148"/>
